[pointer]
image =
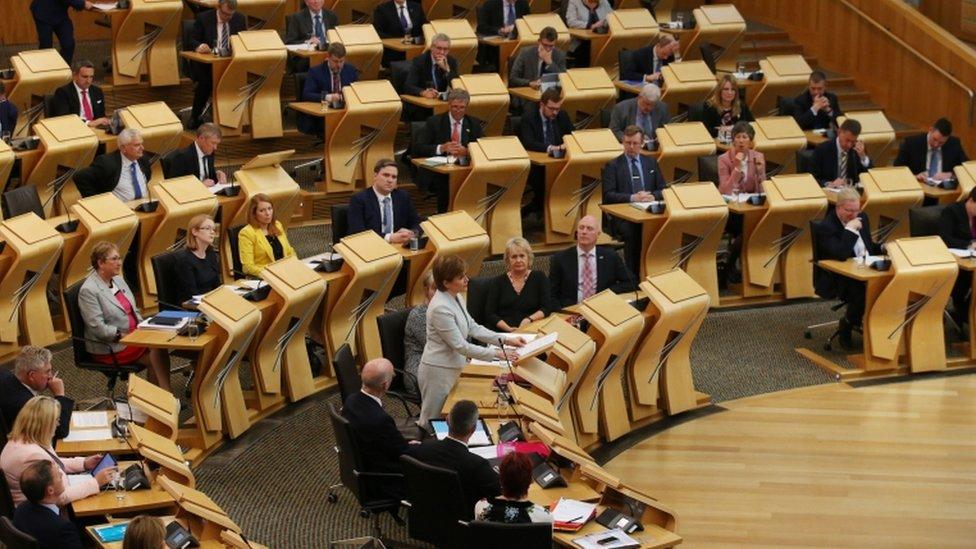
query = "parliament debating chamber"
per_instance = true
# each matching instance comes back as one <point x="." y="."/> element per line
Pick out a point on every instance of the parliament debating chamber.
<point x="662" y="271"/>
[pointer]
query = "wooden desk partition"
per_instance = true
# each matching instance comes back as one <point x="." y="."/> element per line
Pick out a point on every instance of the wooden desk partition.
<point x="37" y="73"/>
<point x="779" y="138"/>
<point x="783" y="76"/>
<point x="464" y="42"/>
<point x="260" y="14"/>
<point x="489" y="100"/>
<point x="719" y="29"/>
<point x="888" y="195"/>
<point x="247" y="90"/>
<point x="628" y="29"/>
<point x="453" y="233"/>
<point x="680" y="146"/>
<point x="357" y="12"/>
<point x="578" y="188"/>
<point x="161" y="130"/>
<point x="67" y="144"/>
<point x="571" y="354"/>
<point x="204" y="518"/>
<point x="102" y="217"/>
<point x="451" y="9"/>
<point x="144" y="42"/>
<point x="363" y="134"/>
<point x="162" y="452"/>
<point x="877" y="133"/>
<point x="364" y="49"/>
<point x="492" y="191"/>
<point x="686" y="83"/>
<point x="160" y="406"/>
<point x="965" y="174"/>
<point x="7" y="159"/>
<point x="30" y="256"/>
<point x="586" y="92"/>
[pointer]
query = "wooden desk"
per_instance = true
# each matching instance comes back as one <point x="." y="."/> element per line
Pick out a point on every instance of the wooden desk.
<point x="86" y="448"/>
<point x="940" y="195"/>
<point x="526" y="93"/>
<point x="454" y="172"/>
<point x="628" y="87"/>
<point x="105" y="502"/>
<point x="410" y="50"/>
<point x="437" y="105"/>
<point x="506" y="50"/>
<point x="652" y="537"/>
<point x="814" y="138"/>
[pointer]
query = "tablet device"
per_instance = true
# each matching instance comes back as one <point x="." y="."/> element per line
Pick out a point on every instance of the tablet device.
<point x="106" y="462"/>
<point x="481" y="436"/>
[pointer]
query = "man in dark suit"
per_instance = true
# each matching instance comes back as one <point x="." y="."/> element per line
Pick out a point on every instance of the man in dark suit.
<point x="932" y="155"/>
<point x="648" y="61"/>
<point x="957" y="227"/>
<point x="631" y="177"/>
<point x="397" y="19"/>
<point x="33" y="374"/>
<point x="816" y="108"/>
<point x="840" y="161"/>
<point x="478" y="479"/>
<point x="586" y="269"/>
<point x="51" y="17"/>
<point x="844" y="233"/>
<point x="430" y="74"/>
<point x="447" y="134"/>
<point x="497" y="17"/>
<point x="199" y="158"/>
<point x="383" y="208"/>
<point x="81" y="96"/>
<point x="39" y="516"/>
<point x="8" y="115"/>
<point x="646" y="111"/>
<point x="532" y="62"/>
<point x="309" y="24"/>
<point x="329" y="78"/>
<point x="542" y="130"/>
<point x="125" y="172"/>
<point x="211" y="31"/>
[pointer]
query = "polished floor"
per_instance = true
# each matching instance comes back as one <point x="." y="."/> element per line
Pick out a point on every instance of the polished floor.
<point x="883" y="465"/>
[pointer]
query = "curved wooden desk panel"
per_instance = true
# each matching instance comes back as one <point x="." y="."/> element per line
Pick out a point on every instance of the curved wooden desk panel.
<point x="161" y="130"/>
<point x="720" y="28"/>
<point x="203" y="517"/>
<point x="680" y="145"/>
<point x="31" y="252"/>
<point x="686" y="83"/>
<point x="783" y="76"/>
<point x="572" y="354"/>
<point x="363" y="135"/>
<point x="364" y="49"/>
<point x="264" y="174"/>
<point x="356" y="12"/>
<point x="464" y="42"/>
<point x="67" y="144"/>
<point x="578" y="189"/>
<point x="966" y="176"/>
<point x="489" y="100"/>
<point x="38" y="73"/>
<point x="160" y="406"/>
<point x="164" y="453"/>
<point x="779" y="138"/>
<point x="101" y="217"/>
<point x="586" y="92"/>
<point x="144" y="42"/>
<point x="247" y="91"/>
<point x="7" y="159"/>
<point x="876" y="132"/>
<point x="888" y="195"/>
<point x="454" y="233"/>
<point x="451" y="9"/>
<point x="529" y="27"/>
<point x="628" y="29"/>
<point x="260" y="14"/>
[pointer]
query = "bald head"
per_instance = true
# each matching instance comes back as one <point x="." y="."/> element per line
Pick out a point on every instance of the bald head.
<point x="377" y="375"/>
<point x="587" y="231"/>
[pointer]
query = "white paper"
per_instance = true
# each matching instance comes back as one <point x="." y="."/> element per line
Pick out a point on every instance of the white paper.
<point x="87" y="420"/>
<point x="832" y="189"/>
<point x="128" y="412"/>
<point x="743" y="197"/>
<point x="104" y="6"/>
<point x="496" y="363"/>
<point x="251" y="284"/>
<point x="78" y="478"/>
<point x="84" y="435"/>
<point x="641" y="205"/>
<point x="533" y="347"/>
<point x="304" y="46"/>
<point x="217" y="187"/>
<point x="487" y="452"/>
<point x="572" y="511"/>
<point x="961" y="252"/>
<point x="150" y="326"/>
<point x="435" y="161"/>
<point x="592" y="541"/>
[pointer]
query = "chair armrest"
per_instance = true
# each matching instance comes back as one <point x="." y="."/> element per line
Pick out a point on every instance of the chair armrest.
<point x="370" y="474"/>
<point x="405" y="373"/>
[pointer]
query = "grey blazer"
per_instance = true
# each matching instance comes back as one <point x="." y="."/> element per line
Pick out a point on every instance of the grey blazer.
<point x="577" y="14"/>
<point x="625" y="114"/>
<point x="448" y="328"/>
<point x="102" y="313"/>
<point x="525" y="68"/>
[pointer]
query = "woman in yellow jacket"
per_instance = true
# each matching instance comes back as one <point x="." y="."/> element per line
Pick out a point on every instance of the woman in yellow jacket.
<point x="262" y="240"/>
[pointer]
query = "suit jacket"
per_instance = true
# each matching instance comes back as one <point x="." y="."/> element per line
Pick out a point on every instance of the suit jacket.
<point x="53" y="12"/>
<point x="103" y="174"/>
<point x="364" y="212"/>
<point x="625" y="114"/>
<point x="525" y="68"/>
<point x="255" y="250"/>
<point x="617" y="183"/>
<point x="50" y="530"/>
<point x="564" y="275"/>
<point x="438" y="130"/>
<point x="805" y="117"/>
<point x="103" y="315"/>
<point x="754" y="176"/>
<point x="66" y="101"/>
<point x="954" y="226"/>
<point x="386" y="19"/>
<point x="711" y="118"/>
<point x="531" y="134"/>
<point x="8" y="116"/>
<point x="825" y="163"/>
<point x="184" y="162"/>
<point x="317" y="82"/>
<point x="14" y="394"/>
<point x="380" y="442"/>
<point x="420" y="73"/>
<point x="914" y="151"/>
<point x="491" y="15"/>
<point x="16" y="456"/>
<point x="205" y="30"/>
<point x="835" y="242"/>
<point x="478" y="479"/>
<point x="643" y="64"/>
<point x="577" y="15"/>
<point x="299" y="26"/>
<point x="449" y="327"/>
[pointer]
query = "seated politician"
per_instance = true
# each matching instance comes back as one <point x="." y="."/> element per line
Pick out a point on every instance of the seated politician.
<point x="109" y="310"/>
<point x="513" y="506"/>
<point x="198" y="158"/>
<point x="81" y="96"/>
<point x="8" y="115"/>
<point x="212" y="30"/>
<point x="816" y="108"/>
<point x="197" y="265"/>
<point x="326" y="79"/>
<point x="839" y="162"/>
<point x="497" y="18"/>
<point x="398" y="19"/>
<point x="263" y="240"/>
<point x="844" y="233"/>
<point x="39" y="516"/>
<point x="631" y="177"/>
<point x="740" y="169"/>
<point x="383" y="208"/>
<point x="33" y="374"/>
<point x="521" y="294"/>
<point x="532" y="62"/>
<point x="724" y="108"/>
<point x="588" y="15"/>
<point x="430" y="74"/>
<point x="124" y="173"/>
<point x="542" y="130"/>
<point x="932" y="155"/>
<point x="650" y="60"/>
<point x="645" y="111"/>
<point x="586" y="269"/>
<point x="957" y="228"/>
<point x="308" y="25"/>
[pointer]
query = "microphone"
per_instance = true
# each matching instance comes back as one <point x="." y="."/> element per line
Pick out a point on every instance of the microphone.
<point x="150" y="205"/>
<point x="259" y="293"/>
<point x="57" y="186"/>
<point x="509" y="432"/>
<point x="70" y="225"/>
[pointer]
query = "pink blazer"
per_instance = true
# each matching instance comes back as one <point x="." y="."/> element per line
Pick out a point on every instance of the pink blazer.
<point x="755" y="174"/>
<point x="17" y="456"/>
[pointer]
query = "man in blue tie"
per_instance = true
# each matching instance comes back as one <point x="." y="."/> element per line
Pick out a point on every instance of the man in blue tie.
<point x="308" y="26"/>
<point x="646" y="111"/>
<point x="383" y="208"/>
<point x="124" y="173"/>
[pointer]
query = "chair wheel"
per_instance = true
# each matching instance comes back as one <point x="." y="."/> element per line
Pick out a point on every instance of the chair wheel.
<point x="807" y="334"/>
<point x="332" y="497"/>
<point x="364" y="513"/>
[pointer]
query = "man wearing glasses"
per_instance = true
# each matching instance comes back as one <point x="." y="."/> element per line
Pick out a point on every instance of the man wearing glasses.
<point x="534" y="61"/>
<point x="542" y="130"/>
<point x="32" y="375"/>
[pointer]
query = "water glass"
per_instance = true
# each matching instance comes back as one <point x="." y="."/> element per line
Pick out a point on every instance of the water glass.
<point x="679" y="18"/>
<point x="119" y="486"/>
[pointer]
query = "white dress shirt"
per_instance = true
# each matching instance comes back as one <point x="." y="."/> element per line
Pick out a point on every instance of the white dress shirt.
<point x="124" y="189"/>
<point x="378" y="401"/>
<point x="379" y="200"/>
<point x="579" y="274"/>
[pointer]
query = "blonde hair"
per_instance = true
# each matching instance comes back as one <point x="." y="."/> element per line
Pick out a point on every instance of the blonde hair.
<point x="37" y="421"/>
<point x="198" y="220"/>
<point x="848" y="194"/>
<point x="716" y="99"/>
<point x="520" y="243"/>
<point x="144" y="532"/>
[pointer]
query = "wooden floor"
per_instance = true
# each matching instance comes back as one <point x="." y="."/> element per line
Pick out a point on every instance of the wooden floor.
<point x="890" y="465"/>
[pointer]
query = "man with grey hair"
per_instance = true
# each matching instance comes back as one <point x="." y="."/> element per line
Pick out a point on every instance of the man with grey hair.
<point x="430" y="74"/>
<point x="124" y="173"/>
<point x="32" y="375"/>
<point x="211" y="32"/>
<point x="198" y="158"/>
<point x="645" y="111"/>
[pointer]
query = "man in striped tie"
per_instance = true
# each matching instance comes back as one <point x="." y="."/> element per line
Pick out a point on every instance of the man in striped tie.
<point x="586" y="269"/>
<point x="211" y="33"/>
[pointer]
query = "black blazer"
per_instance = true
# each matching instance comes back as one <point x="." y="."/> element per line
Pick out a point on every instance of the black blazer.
<point x="530" y="131"/>
<point x="617" y="186"/>
<point x="66" y="100"/>
<point x="491" y="16"/>
<point x="51" y="531"/>
<point x="825" y="163"/>
<point x="205" y="29"/>
<point x="380" y="443"/>
<point x="14" y="394"/>
<point x="197" y="276"/>
<point x="954" y="227"/>
<point x="564" y="275"/>
<point x="914" y="151"/>
<point x="184" y="162"/>
<point x="805" y="118"/>
<point x="364" y="212"/>
<point x="299" y="25"/>
<point x="478" y="479"/>
<point x="420" y="74"/>
<point x="437" y="130"/>
<point x="833" y="241"/>
<point x="711" y="118"/>
<point x="386" y="19"/>
<point x="103" y="174"/>
<point x="642" y="64"/>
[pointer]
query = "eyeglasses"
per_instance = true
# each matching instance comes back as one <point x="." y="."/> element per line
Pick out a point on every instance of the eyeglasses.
<point x="114" y="258"/>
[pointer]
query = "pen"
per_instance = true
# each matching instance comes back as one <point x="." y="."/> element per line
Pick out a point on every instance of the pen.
<point x="575" y="519"/>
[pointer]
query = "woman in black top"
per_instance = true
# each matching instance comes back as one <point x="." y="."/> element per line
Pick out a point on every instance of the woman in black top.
<point x="198" y="267"/>
<point x="520" y="295"/>
<point x="723" y="109"/>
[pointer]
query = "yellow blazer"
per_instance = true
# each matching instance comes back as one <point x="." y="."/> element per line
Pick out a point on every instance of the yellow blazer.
<point x="256" y="251"/>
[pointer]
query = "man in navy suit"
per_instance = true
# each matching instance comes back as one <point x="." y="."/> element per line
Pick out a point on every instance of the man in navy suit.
<point x="81" y="96"/>
<point x="328" y="78"/>
<point x="585" y="269"/>
<point x="840" y="161"/>
<point x="51" y="17"/>
<point x="542" y="130"/>
<point x="430" y="74"/>
<point x="39" y="516"/>
<point x="308" y="25"/>
<point x="816" y="108"/>
<point x="383" y="208"/>
<point x="124" y="173"/>
<point x="932" y="155"/>
<point x="211" y="31"/>
<point x="647" y="62"/>
<point x="631" y="177"/>
<point x="198" y="158"/>
<point x="396" y="19"/>
<point x="32" y="375"/>
<point x="8" y="115"/>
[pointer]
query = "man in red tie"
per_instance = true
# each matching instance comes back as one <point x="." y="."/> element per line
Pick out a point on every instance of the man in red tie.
<point x="81" y="96"/>
<point x="328" y="79"/>
<point x="586" y="269"/>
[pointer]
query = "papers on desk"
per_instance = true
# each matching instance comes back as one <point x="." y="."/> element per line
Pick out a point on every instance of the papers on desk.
<point x="217" y="187"/>
<point x="820" y="131"/>
<point x="571" y="514"/>
<point x="487" y="452"/>
<point x="634" y="83"/>
<point x="89" y="420"/>
<point x="176" y="325"/>
<point x="496" y="363"/>
<point x="127" y="412"/>
<point x="833" y="189"/>
<point x="642" y="206"/>
<point x="608" y="539"/>
<point x="251" y="284"/>
<point x="537" y="345"/>
<point x="435" y="161"/>
<point x="86" y="435"/>
<point x="962" y="252"/>
<point x="304" y="46"/>
<point x="741" y="75"/>
<point x="239" y="290"/>
<point x="104" y="6"/>
<point x="742" y="197"/>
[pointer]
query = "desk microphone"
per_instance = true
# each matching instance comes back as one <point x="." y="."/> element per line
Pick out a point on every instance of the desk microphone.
<point x="260" y="292"/>
<point x="509" y="432"/>
<point x="150" y="205"/>
<point x="57" y="185"/>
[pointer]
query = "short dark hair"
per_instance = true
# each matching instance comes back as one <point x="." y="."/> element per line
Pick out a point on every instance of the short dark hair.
<point x="548" y="33"/>
<point x="943" y="126"/>
<point x="743" y="127"/>
<point x="209" y="129"/>
<point x="633" y="129"/>
<point x="554" y="94"/>
<point x="81" y="64"/>
<point x="384" y="163"/>
<point x="818" y="76"/>
<point x="232" y="4"/>
<point x="35" y="479"/>
<point x="515" y="475"/>
<point x="851" y="125"/>
<point x="447" y="268"/>
<point x="336" y="49"/>
<point x="462" y="419"/>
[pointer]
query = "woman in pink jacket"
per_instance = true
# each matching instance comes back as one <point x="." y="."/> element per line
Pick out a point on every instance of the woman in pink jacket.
<point x="30" y="441"/>
<point x="740" y="170"/>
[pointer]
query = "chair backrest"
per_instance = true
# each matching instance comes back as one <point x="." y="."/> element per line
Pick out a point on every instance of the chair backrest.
<point x="924" y="220"/>
<point x="625" y="60"/>
<point x="478" y="298"/>
<point x="167" y="281"/>
<point x="6" y="500"/>
<point x="392" y="327"/>
<point x="299" y="84"/>
<point x="22" y="200"/>
<point x="804" y="161"/>
<point x="233" y="234"/>
<point x="350" y="460"/>
<point x="186" y="31"/>
<point x="346" y="371"/>
<point x="482" y="534"/>
<point x="815" y="230"/>
<point x="48" y="104"/>
<point x="13" y="538"/>
<point x="398" y="75"/>
<point x="76" y="322"/>
<point x="710" y="54"/>
<point x="436" y="503"/>
<point x="605" y="115"/>
<point x="418" y="136"/>
<point x="708" y="168"/>
<point x="786" y="105"/>
<point x="340" y="222"/>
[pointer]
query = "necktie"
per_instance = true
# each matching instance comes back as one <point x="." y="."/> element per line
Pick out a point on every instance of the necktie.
<point x="86" y="106"/>
<point x="225" y="38"/>
<point x="403" y="19"/>
<point x="436" y="79"/>
<point x="543" y="68"/>
<point x="387" y="216"/>
<point x="137" y="191"/>
<point x="842" y="165"/>
<point x="550" y="133"/>
<point x="644" y="120"/>
<point x="509" y="14"/>
<point x="636" y="177"/>
<point x="934" y="162"/>
<point x="592" y="19"/>
<point x="589" y="288"/>
<point x="657" y="63"/>
<point x="319" y="30"/>
<point x="336" y="85"/>
<point x="455" y="131"/>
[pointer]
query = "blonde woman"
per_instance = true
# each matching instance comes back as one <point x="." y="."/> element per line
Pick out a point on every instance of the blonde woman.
<point x="724" y="108"/>
<point x="263" y="240"/>
<point x="197" y="266"/>
<point x="145" y="532"/>
<point x="520" y="295"/>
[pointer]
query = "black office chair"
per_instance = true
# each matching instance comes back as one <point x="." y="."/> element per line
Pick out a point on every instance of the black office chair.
<point x="435" y="503"/>
<point x="924" y="220"/>
<point x="340" y="222"/>
<point x="6" y="500"/>
<point x="696" y="111"/>
<point x="233" y="236"/>
<point x="482" y="534"/>
<point x="167" y="281"/>
<point x="815" y="230"/>
<point x="347" y="374"/>
<point x="13" y="538"/>
<point x="398" y="75"/>
<point x="605" y="115"/>
<point x="786" y="106"/>
<point x="625" y="60"/>
<point x="48" y="105"/>
<point x="22" y="200"/>
<point x="83" y="358"/>
<point x="478" y="298"/>
<point x="708" y="168"/>
<point x="804" y="161"/>
<point x="299" y="84"/>
<point x="392" y="327"/>
<point x="186" y="32"/>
